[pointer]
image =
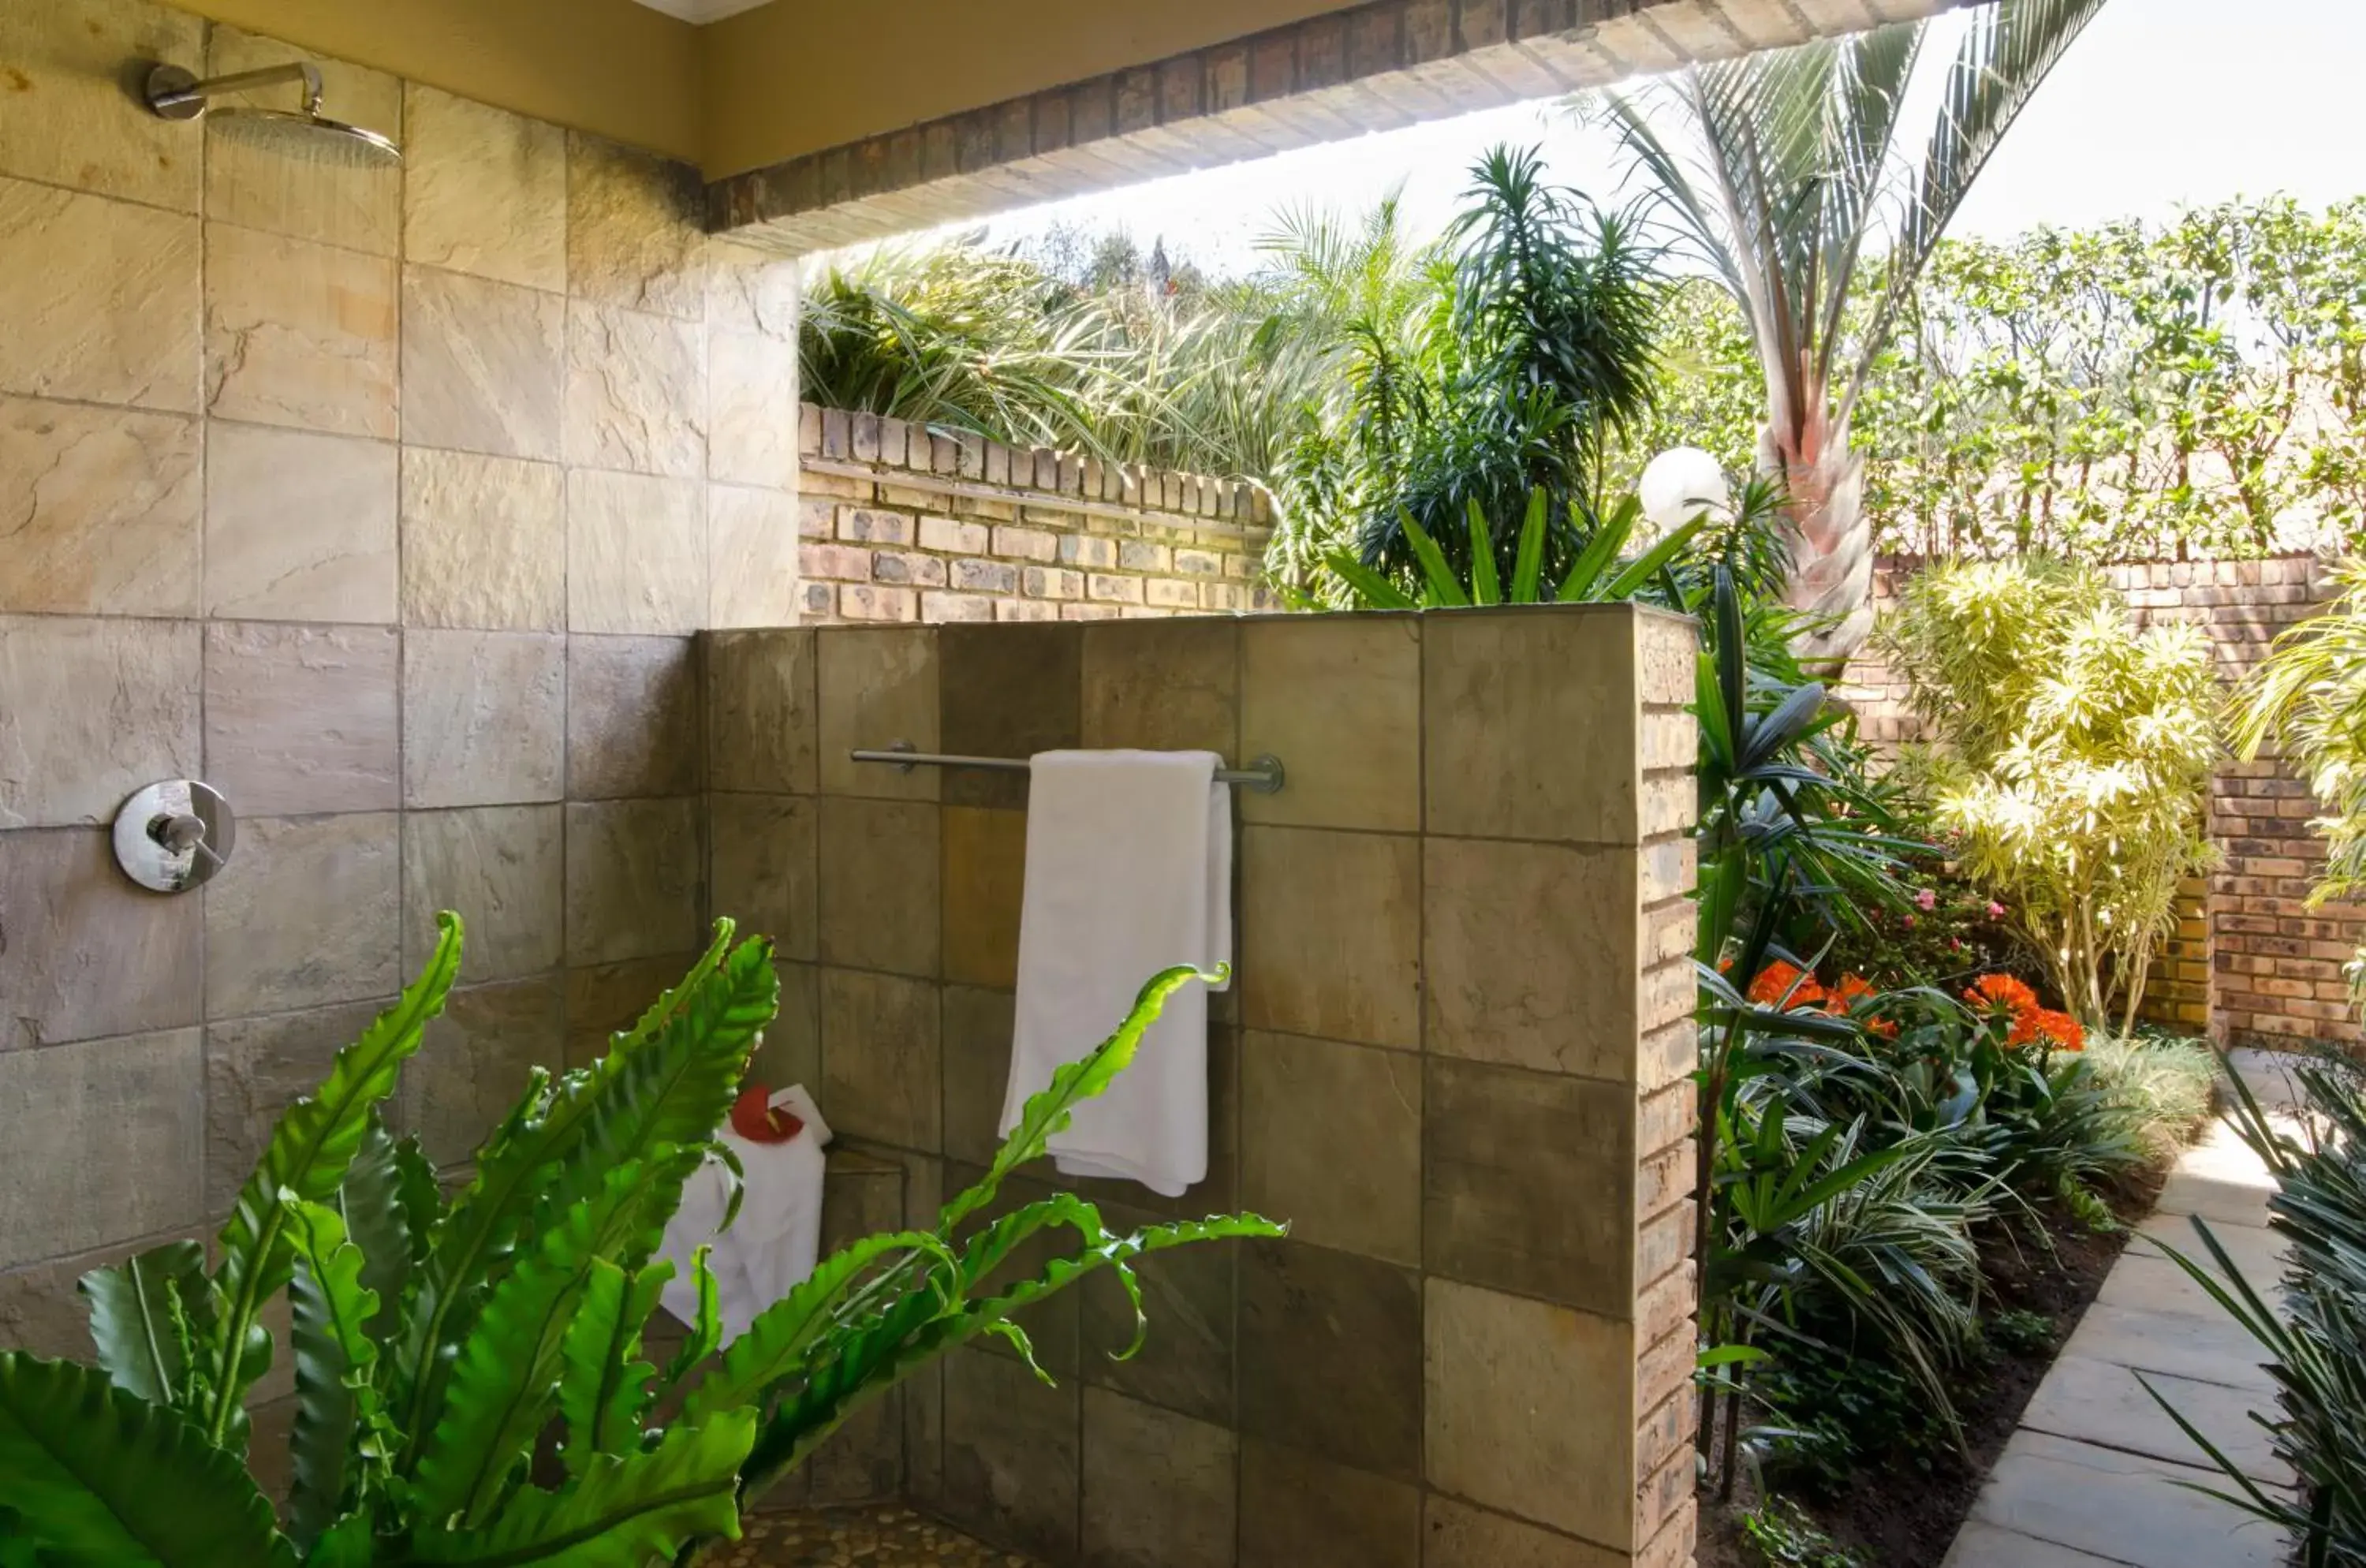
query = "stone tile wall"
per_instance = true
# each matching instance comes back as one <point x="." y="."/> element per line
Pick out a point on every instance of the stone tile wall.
<point x="389" y="500"/>
<point x="903" y="524"/>
<point x="1454" y="1058"/>
<point x="2250" y="960"/>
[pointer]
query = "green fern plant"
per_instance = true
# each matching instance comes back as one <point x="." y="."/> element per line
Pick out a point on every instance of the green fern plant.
<point x="438" y="1343"/>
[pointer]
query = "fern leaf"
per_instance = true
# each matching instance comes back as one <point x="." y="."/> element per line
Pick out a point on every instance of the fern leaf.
<point x="505" y="1377"/>
<point x="95" y="1476"/>
<point x="706" y="1323"/>
<point x="335" y="1401"/>
<point x="143" y="1342"/>
<point x="310" y="1150"/>
<point x="372" y="1209"/>
<point x="625" y="1512"/>
<point x="606" y="1385"/>
<point x="1047" y="1114"/>
<point x="666" y="1086"/>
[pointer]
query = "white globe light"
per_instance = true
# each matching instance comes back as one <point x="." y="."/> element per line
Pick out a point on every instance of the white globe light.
<point x="1679" y="485"/>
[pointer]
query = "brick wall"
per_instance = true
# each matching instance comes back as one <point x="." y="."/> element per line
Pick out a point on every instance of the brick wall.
<point x="902" y="525"/>
<point x="2249" y="960"/>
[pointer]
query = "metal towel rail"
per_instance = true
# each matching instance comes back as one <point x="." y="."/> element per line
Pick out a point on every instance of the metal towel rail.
<point x="1264" y="774"/>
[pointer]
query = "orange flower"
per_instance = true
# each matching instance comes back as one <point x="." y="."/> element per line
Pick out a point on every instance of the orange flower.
<point x="1884" y="1027"/>
<point x="2057" y="1030"/>
<point x="1776" y="982"/>
<point x="2002" y="992"/>
<point x="1853" y="989"/>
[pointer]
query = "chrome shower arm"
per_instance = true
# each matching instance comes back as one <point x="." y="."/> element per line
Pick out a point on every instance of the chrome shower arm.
<point x="176" y="95"/>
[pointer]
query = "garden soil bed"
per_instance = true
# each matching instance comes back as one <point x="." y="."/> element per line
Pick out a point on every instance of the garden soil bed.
<point x="1902" y="1514"/>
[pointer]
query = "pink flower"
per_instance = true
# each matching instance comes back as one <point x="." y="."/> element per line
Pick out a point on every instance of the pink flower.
<point x="1996" y="911"/>
<point x="1927" y="900"/>
<point x="1909" y="922"/>
<point x="1956" y="944"/>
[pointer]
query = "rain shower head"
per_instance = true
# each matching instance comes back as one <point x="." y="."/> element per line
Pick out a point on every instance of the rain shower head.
<point x="177" y="94"/>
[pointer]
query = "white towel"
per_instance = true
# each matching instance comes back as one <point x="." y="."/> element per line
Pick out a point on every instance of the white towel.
<point x="1129" y="872"/>
<point x="773" y="1244"/>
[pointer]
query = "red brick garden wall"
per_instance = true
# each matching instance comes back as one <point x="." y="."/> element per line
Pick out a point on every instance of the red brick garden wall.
<point x="901" y="525"/>
<point x="2250" y="960"/>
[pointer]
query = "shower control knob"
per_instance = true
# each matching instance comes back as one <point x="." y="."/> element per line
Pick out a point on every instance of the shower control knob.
<point x="175" y="835"/>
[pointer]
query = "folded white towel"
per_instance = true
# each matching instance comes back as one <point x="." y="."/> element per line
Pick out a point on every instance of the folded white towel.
<point x="773" y="1244"/>
<point x="1129" y="872"/>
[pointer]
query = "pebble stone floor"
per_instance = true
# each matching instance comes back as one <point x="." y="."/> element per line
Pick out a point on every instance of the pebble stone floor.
<point x="860" y="1537"/>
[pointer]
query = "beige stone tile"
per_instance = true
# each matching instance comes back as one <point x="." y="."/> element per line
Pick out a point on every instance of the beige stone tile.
<point x="1011" y="1455"/>
<point x="877" y="687"/>
<point x="766" y="868"/>
<point x="1160" y="1489"/>
<point x="96" y="709"/>
<point x="1007" y="690"/>
<point x="879" y="882"/>
<point x="1298" y="1511"/>
<point x="2122" y="1507"/>
<point x="1330" y="938"/>
<point x="1331" y="1142"/>
<point x="881" y="1058"/>
<point x="607" y="998"/>
<point x="483" y="365"/>
<point x="790" y="1052"/>
<point x="484" y="718"/>
<point x="1533" y="723"/>
<point x="502" y="869"/>
<point x="89" y="954"/>
<point x="1463" y="1536"/>
<point x="1495" y="1137"/>
<point x="634" y="392"/>
<point x="1530" y="1410"/>
<point x="977" y="1026"/>
<point x="302" y="719"/>
<point x="484" y="542"/>
<point x="484" y="191"/>
<point x="253" y="181"/>
<point x="986" y="867"/>
<point x="1337" y="698"/>
<point x="749" y="290"/>
<point x="100" y="510"/>
<point x="633" y="722"/>
<point x="1163" y="685"/>
<point x="298" y="334"/>
<point x="122" y="325"/>
<point x="1187" y="1363"/>
<point x="635" y="230"/>
<point x="761" y="733"/>
<point x="298" y="526"/>
<point x="1331" y="1355"/>
<point x="1532" y="956"/>
<point x="474" y="1063"/>
<point x="310" y="916"/>
<point x="65" y="118"/>
<point x="636" y="553"/>
<point x="142" y="1093"/>
<point x="633" y="880"/>
<point x="257" y="1068"/>
<point x="752" y="404"/>
<point x="751" y="557"/>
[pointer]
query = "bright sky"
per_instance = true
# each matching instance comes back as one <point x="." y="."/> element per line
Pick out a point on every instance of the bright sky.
<point x="2160" y="103"/>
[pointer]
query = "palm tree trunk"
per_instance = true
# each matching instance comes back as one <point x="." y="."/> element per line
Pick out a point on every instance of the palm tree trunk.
<point x="1831" y="538"/>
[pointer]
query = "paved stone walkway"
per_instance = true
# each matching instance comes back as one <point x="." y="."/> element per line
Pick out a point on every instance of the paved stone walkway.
<point x="2092" y="1478"/>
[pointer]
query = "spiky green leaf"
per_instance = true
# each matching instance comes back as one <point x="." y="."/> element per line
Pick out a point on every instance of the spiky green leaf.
<point x="140" y="1318"/>
<point x="96" y="1476"/>
<point x="339" y="1443"/>
<point x="605" y="1386"/>
<point x="310" y="1150"/>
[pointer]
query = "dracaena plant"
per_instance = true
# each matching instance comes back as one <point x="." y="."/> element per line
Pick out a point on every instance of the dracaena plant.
<point x="439" y="1345"/>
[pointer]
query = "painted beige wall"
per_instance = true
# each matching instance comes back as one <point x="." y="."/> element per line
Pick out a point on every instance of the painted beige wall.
<point x="760" y="87"/>
<point x="778" y="82"/>
<point x="606" y="66"/>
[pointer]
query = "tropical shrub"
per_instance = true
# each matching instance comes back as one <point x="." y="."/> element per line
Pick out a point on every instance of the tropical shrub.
<point x="2317" y="1344"/>
<point x="2071" y="761"/>
<point x="2309" y="699"/>
<point x="437" y="1343"/>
